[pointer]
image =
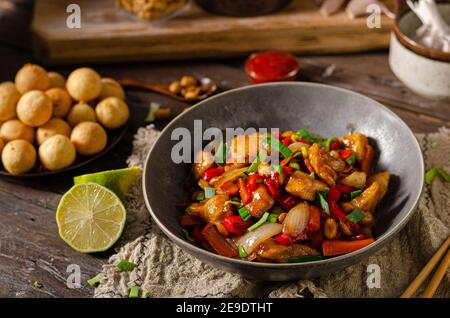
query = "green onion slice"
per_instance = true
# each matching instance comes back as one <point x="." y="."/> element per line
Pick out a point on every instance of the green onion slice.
<point x="273" y="218"/>
<point x="306" y="135"/>
<point x="125" y="265"/>
<point x="444" y="174"/>
<point x="355" y="216"/>
<point x="260" y="222"/>
<point x="352" y="159"/>
<point x="221" y="154"/>
<point x="294" y="165"/>
<point x="312" y="175"/>
<point x="277" y="168"/>
<point x="242" y="252"/>
<point x="307" y="258"/>
<point x="430" y="175"/>
<point x="209" y="192"/>
<point x="37" y="284"/>
<point x="254" y="166"/>
<point x="244" y="214"/>
<point x="323" y="201"/>
<point x="151" y="112"/>
<point x="285" y="151"/>
<point x="329" y="141"/>
<point x="188" y="236"/>
<point x="96" y="279"/>
<point x="355" y="193"/>
<point x="133" y="292"/>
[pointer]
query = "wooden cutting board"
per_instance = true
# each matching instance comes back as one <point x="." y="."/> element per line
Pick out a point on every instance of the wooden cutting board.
<point x="108" y="34"/>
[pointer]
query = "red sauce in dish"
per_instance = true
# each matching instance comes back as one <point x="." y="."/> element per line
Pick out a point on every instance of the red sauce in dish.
<point x="271" y="66"/>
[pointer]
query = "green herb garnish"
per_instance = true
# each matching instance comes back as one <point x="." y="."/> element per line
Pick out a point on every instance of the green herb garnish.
<point x="355" y="193"/>
<point x="94" y="281"/>
<point x="273" y="218"/>
<point x="355" y="216"/>
<point x="37" y="284"/>
<point x="134" y="292"/>
<point x="323" y="201"/>
<point x="242" y="252"/>
<point x="125" y="265"/>
<point x="244" y="214"/>
<point x="260" y="222"/>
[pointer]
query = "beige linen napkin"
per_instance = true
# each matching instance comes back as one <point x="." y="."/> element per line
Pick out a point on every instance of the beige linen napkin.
<point x="164" y="270"/>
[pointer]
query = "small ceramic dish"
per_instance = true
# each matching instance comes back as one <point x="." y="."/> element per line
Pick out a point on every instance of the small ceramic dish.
<point x="423" y="70"/>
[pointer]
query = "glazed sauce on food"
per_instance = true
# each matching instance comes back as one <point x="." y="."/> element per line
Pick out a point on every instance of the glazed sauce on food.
<point x="271" y="66"/>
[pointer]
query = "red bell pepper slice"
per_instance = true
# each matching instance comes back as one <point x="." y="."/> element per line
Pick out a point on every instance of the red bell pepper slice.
<point x="286" y="141"/>
<point x="213" y="172"/>
<point x="284" y="239"/>
<point x="218" y="243"/>
<point x="337" y="247"/>
<point x="252" y="182"/>
<point x="234" y="224"/>
<point x="287" y="170"/>
<point x="337" y="210"/>
<point x="273" y="184"/>
<point x="287" y="201"/>
<point x="197" y="234"/>
<point x="345" y="153"/>
<point x="335" y="145"/>
<point x="334" y="194"/>
<point x="314" y="219"/>
<point x="245" y="195"/>
<point x="343" y="188"/>
<point x="361" y="236"/>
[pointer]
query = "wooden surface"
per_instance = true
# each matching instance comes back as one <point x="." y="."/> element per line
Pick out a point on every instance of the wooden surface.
<point x="108" y="34"/>
<point x="30" y="248"/>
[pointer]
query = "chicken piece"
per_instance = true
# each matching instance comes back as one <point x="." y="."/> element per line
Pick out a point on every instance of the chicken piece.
<point x="302" y="185"/>
<point x="321" y="162"/>
<point x="270" y="250"/>
<point x="357" y="143"/>
<point x="383" y="179"/>
<point x="357" y="179"/>
<point x="213" y="209"/>
<point x="244" y="149"/>
<point x="261" y="202"/>
<point x="367" y="200"/>
<point x="203" y="161"/>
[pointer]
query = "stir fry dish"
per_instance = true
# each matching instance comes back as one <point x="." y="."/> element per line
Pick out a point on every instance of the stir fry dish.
<point x="316" y="201"/>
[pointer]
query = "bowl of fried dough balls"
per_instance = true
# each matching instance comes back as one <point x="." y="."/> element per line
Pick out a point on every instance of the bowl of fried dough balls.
<point x="50" y="124"/>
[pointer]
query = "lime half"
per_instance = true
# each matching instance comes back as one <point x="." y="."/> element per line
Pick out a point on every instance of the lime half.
<point x="90" y="218"/>
<point x="119" y="181"/>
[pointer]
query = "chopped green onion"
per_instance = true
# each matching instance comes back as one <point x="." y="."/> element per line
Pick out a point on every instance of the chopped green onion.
<point x="221" y="154"/>
<point x="96" y="279"/>
<point x="126" y="266"/>
<point x="235" y="199"/>
<point x="260" y="222"/>
<point x="242" y="252"/>
<point x="352" y="159"/>
<point x="151" y="112"/>
<point x="297" y="154"/>
<point x="329" y="141"/>
<point x="355" y="193"/>
<point x="209" y="192"/>
<point x="244" y="214"/>
<point x="285" y="151"/>
<point x="200" y="196"/>
<point x="307" y="258"/>
<point x="273" y="218"/>
<point x="233" y="203"/>
<point x="444" y="174"/>
<point x="312" y="175"/>
<point x="430" y="175"/>
<point x="254" y="166"/>
<point x="306" y="135"/>
<point x="355" y="216"/>
<point x="294" y="137"/>
<point x="323" y="201"/>
<point x="37" y="284"/>
<point x="146" y="295"/>
<point x="133" y="292"/>
<point x="278" y="168"/>
<point x="304" y="152"/>
<point x="294" y="166"/>
<point x="187" y="236"/>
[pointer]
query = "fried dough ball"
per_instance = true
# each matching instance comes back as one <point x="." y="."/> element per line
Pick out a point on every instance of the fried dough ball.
<point x="18" y="156"/>
<point x="14" y="129"/>
<point x="112" y="112"/>
<point x="34" y="108"/>
<point x="56" y="80"/>
<point x="32" y="77"/>
<point x="79" y="113"/>
<point x="111" y="88"/>
<point x="55" y="126"/>
<point x="88" y="138"/>
<point x="57" y="152"/>
<point x="84" y="84"/>
<point x="9" y="96"/>
<point x="61" y="101"/>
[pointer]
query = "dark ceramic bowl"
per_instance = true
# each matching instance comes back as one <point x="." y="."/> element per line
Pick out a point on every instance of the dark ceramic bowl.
<point x="242" y="8"/>
<point x="319" y="108"/>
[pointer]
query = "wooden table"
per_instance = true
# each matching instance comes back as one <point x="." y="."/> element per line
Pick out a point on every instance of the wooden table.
<point x="30" y="248"/>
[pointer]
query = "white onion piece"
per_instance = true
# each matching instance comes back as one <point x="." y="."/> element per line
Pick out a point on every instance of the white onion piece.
<point x="251" y="240"/>
<point x="296" y="146"/>
<point x="296" y="220"/>
<point x="229" y="175"/>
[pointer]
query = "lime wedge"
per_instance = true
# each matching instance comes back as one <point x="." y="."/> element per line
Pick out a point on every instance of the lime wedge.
<point x="90" y="218"/>
<point x="119" y="181"/>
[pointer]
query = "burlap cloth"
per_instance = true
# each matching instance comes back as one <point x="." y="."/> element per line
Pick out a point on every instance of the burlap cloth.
<point x="164" y="270"/>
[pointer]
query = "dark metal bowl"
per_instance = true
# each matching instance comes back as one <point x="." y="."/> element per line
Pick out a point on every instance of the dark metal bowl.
<point x="319" y="108"/>
<point x="242" y="8"/>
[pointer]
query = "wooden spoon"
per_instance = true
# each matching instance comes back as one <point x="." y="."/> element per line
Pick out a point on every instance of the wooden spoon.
<point x="208" y="88"/>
